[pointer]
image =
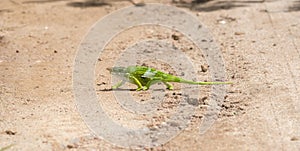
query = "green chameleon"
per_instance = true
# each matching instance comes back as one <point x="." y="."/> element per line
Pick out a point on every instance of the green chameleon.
<point x="144" y="77"/>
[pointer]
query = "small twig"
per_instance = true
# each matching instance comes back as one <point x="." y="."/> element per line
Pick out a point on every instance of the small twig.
<point x="7" y="147"/>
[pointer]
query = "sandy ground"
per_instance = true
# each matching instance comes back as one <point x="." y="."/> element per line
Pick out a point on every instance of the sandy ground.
<point x="260" y="42"/>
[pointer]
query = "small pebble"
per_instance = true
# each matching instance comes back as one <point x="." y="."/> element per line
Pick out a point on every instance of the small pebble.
<point x="71" y="146"/>
<point x="294" y="138"/>
<point x="204" y="98"/>
<point x="204" y="68"/>
<point x="10" y="132"/>
<point x="175" y="37"/>
<point x="239" y="33"/>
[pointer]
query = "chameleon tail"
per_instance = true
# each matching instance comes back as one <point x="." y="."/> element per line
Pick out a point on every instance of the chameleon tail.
<point x="180" y="80"/>
<point x="203" y="83"/>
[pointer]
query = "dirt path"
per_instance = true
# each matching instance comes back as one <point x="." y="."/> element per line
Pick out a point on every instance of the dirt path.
<point x="260" y="42"/>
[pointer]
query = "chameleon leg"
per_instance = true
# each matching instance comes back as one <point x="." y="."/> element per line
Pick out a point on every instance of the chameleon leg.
<point x="118" y="84"/>
<point x="169" y="86"/>
<point x="138" y="83"/>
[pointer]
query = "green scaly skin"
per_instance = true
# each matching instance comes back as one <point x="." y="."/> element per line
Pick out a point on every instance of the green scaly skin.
<point x="144" y="77"/>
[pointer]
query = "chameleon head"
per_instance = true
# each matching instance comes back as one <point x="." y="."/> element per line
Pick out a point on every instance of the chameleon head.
<point x="117" y="70"/>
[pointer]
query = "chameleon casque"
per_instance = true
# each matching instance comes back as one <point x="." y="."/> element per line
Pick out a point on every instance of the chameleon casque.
<point x="144" y="77"/>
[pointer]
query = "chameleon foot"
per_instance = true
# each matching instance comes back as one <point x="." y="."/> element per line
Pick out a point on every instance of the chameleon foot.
<point x="170" y="88"/>
<point x="142" y="88"/>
